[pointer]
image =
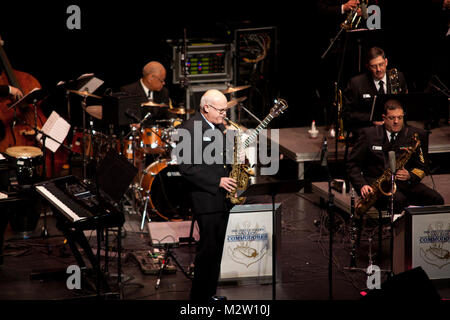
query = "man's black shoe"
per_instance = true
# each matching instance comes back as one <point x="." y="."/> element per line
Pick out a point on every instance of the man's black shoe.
<point x="218" y="298"/>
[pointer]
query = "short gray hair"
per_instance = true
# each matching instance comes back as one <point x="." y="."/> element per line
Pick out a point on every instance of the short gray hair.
<point x="210" y="96"/>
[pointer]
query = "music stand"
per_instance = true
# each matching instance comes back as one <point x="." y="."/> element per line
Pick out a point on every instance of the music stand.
<point x="31" y="97"/>
<point x="272" y="189"/>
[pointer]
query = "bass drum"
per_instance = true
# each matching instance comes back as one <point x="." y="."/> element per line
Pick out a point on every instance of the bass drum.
<point x="165" y="189"/>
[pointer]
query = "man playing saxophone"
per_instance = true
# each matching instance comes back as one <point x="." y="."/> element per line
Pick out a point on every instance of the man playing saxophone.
<point x="209" y="183"/>
<point x="369" y="160"/>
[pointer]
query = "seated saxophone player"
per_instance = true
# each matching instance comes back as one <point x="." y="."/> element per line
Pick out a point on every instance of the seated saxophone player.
<point x="369" y="159"/>
<point x="361" y="90"/>
<point x="209" y="183"/>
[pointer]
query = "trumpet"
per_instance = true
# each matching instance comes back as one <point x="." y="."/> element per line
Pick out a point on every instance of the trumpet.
<point x="354" y="17"/>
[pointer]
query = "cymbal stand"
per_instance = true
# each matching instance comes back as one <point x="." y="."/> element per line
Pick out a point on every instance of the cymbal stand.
<point x="84" y="164"/>
<point x="241" y="106"/>
<point x="132" y="136"/>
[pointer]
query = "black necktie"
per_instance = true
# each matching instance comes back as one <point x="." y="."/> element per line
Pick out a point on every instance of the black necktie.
<point x="393" y="136"/>
<point x="381" y="88"/>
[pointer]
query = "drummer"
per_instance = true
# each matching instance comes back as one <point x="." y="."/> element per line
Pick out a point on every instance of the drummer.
<point x="151" y="88"/>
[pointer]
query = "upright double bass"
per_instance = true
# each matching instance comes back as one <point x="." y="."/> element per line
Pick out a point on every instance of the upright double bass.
<point x="17" y="122"/>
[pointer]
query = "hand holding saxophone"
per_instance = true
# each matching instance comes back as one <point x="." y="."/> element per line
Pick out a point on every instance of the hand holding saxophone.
<point x="402" y="175"/>
<point x="366" y="190"/>
<point x="229" y="184"/>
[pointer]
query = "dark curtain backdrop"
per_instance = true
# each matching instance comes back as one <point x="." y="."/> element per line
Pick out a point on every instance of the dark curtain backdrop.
<point x="117" y="38"/>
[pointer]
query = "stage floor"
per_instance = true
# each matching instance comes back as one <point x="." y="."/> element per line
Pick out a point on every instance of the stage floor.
<point x="303" y="263"/>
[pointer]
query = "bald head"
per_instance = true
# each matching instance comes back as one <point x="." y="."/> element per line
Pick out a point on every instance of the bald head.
<point x="213" y="106"/>
<point x="212" y="97"/>
<point x="153" y="67"/>
<point x="154" y="75"/>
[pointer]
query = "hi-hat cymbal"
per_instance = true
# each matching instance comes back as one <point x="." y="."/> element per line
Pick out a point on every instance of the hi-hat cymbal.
<point x="234" y="102"/>
<point x="235" y="89"/>
<point x="95" y="111"/>
<point x="181" y="111"/>
<point x="85" y="94"/>
<point x="153" y="104"/>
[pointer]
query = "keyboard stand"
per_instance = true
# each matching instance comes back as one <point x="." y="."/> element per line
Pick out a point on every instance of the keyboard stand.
<point x="76" y="239"/>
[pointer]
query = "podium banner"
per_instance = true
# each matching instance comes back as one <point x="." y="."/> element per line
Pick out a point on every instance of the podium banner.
<point x="248" y="245"/>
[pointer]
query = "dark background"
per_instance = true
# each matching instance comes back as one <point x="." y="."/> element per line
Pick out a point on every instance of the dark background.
<point x="118" y="38"/>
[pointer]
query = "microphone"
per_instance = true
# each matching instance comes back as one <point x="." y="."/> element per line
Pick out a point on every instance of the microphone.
<point x="146" y="117"/>
<point x="324" y="153"/>
<point x="392" y="161"/>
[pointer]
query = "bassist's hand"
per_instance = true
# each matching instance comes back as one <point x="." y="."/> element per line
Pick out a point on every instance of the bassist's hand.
<point x="15" y="93"/>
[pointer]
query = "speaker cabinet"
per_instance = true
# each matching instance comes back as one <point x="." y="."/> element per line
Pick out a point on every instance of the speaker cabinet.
<point x="412" y="284"/>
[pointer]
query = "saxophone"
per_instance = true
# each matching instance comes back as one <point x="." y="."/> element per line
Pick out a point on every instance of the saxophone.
<point x="241" y="172"/>
<point x="384" y="180"/>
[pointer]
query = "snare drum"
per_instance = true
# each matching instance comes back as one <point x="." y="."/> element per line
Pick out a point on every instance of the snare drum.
<point x="151" y="140"/>
<point x="26" y="161"/>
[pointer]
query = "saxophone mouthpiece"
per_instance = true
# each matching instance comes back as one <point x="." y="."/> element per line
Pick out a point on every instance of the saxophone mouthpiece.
<point x="232" y="123"/>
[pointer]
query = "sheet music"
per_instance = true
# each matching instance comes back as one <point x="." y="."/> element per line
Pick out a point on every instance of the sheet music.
<point x="92" y="85"/>
<point x="55" y="127"/>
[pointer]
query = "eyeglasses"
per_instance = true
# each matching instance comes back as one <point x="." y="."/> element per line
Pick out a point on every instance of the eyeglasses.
<point x="221" y="111"/>
<point x="379" y="65"/>
<point x="162" y="81"/>
<point x="392" y="118"/>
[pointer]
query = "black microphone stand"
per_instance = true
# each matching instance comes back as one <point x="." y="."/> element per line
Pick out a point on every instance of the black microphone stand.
<point x="330" y="210"/>
<point x="391" y="214"/>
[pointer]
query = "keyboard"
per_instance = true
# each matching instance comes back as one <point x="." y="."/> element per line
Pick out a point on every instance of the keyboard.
<point x="79" y="204"/>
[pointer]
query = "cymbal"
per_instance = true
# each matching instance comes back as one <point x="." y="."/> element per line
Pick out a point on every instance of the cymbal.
<point x="169" y="120"/>
<point x="85" y="94"/>
<point x="95" y="111"/>
<point x="181" y="111"/>
<point x="234" y="102"/>
<point x="235" y="89"/>
<point x="154" y="104"/>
